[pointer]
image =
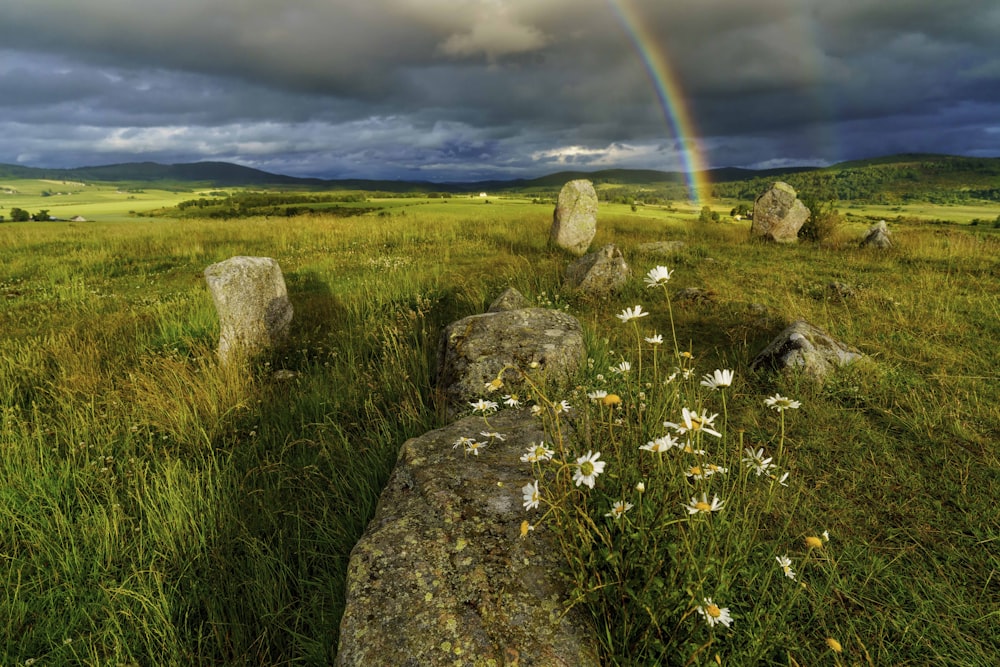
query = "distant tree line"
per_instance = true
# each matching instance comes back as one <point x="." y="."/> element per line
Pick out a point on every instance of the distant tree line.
<point x="940" y="181"/>
<point x="21" y="215"/>
<point x="275" y="204"/>
<point x="662" y="196"/>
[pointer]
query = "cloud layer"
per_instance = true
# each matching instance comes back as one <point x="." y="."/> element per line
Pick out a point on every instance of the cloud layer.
<point x="467" y="89"/>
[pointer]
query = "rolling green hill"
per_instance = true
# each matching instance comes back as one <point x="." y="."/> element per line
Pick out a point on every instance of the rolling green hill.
<point x="882" y="180"/>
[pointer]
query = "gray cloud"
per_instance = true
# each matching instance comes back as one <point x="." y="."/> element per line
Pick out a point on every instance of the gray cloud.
<point x="454" y="89"/>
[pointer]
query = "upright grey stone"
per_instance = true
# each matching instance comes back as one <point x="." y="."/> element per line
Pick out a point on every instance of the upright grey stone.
<point x="778" y="214"/>
<point x="877" y="236"/>
<point x="253" y="306"/>
<point x="598" y="273"/>
<point x="574" y="221"/>
<point x="442" y="576"/>
<point x="475" y="349"/>
<point x="805" y="347"/>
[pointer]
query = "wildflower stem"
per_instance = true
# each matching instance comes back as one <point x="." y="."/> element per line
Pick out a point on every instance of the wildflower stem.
<point x="673" y="332"/>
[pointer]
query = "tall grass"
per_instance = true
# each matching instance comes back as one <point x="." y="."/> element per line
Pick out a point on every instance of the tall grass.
<point x="160" y="508"/>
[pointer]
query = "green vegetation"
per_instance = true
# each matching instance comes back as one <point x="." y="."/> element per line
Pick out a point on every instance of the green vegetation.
<point x="898" y="180"/>
<point x="256" y="204"/>
<point x="159" y="509"/>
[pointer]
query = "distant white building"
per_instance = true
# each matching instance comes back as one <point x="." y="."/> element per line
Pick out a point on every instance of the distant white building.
<point x="483" y="194"/>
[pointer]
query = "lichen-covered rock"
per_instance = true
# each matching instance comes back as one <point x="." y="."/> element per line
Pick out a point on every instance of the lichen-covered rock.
<point x="474" y="350"/>
<point x="599" y="273"/>
<point x="253" y="306"/>
<point x="778" y="214"/>
<point x="806" y="347"/>
<point x="442" y="576"/>
<point x="574" y="221"/>
<point x="510" y="299"/>
<point x="877" y="236"/>
<point x="661" y="248"/>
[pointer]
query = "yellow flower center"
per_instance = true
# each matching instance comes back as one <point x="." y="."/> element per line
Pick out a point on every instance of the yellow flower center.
<point x="586" y="468"/>
<point x="814" y="542"/>
<point x="702" y="506"/>
<point x="713" y="611"/>
<point x="695" y="470"/>
<point x="834" y="645"/>
<point x="695" y="424"/>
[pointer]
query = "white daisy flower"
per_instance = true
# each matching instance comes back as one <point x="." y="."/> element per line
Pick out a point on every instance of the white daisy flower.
<point x="618" y="509"/>
<point x="713" y="614"/>
<point x="718" y="379"/>
<point x="657" y="276"/>
<point x="588" y="467"/>
<point x="484" y="406"/>
<point x="661" y="444"/>
<point x="780" y="403"/>
<point x="531" y="495"/>
<point x="631" y="314"/>
<point x="703" y="506"/>
<point x="786" y="566"/>
<point x="537" y="452"/>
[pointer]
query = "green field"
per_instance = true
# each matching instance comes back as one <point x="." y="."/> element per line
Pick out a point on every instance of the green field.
<point x="94" y="201"/>
<point x="158" y="508"/>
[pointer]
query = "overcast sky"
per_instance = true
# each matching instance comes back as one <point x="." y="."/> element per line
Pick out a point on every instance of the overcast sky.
<point x="470" y="89"/>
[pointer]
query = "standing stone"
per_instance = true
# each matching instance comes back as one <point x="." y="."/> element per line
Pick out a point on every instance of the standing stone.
<point x="442" y="576"/>
<point x="598" y="273"/>
<point x="574" y="222"/>
<point x="253" y="306"/>
<point x="778" y="215"/>
<point x="877" y="236"/>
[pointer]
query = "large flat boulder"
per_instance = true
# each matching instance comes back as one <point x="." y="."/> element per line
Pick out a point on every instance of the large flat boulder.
<point x="474" y="350"/>
<point x="600" y="273"/>
<point x="807" y="348"/>
<point x="442" y="575"/>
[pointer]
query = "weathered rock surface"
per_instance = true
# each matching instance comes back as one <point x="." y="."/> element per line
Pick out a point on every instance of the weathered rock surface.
<point x="694" y="295"/>
<point x="442" y="577"/>
<point x="599" y="273"/>
<point x="475" y="349"/>
<point x="877" y="237"/>
<point x="663" y="248"/>
<point x="778" y="214"/>
<point x="574" y="221"/>
<point x="510" y="299"/>
<point x="804" y="346"/>
<point x="253" y="306"/>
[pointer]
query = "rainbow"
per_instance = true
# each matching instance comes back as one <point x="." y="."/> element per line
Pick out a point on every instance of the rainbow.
<point x="671" y="97"/>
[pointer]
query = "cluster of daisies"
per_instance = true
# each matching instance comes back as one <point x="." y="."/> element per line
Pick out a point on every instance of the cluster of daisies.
<point x="686" y="436"/>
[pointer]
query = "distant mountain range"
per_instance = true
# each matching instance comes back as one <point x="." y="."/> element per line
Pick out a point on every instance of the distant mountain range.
<point x="225" y="174"/>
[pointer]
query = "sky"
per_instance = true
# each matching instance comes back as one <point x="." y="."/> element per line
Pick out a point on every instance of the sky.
<point x="461" y="90"/>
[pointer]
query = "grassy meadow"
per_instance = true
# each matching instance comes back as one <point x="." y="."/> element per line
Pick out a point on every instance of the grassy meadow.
<point x="158" y="508"/>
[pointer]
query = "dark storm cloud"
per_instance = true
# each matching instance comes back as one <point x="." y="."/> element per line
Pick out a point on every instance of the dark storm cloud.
<point x="453" y="89"/>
